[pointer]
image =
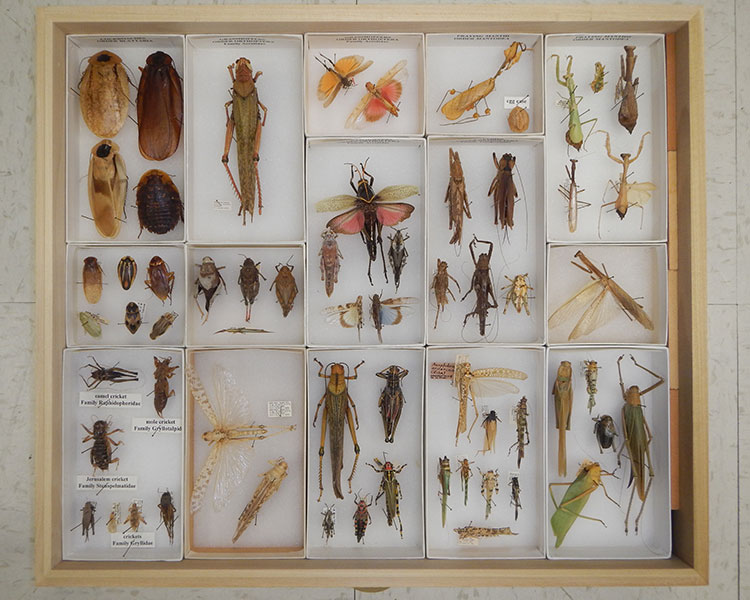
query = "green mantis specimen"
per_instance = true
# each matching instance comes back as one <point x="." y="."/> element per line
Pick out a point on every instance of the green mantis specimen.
<point x="574" y="134"/>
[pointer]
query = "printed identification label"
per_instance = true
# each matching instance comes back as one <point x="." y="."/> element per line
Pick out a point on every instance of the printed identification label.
<point x="109" y="400"/>
<point x="110" y="482"/>
<point x="279" y="408"/>
<point x="134" y="539"/>
<point x="155" y="425"/>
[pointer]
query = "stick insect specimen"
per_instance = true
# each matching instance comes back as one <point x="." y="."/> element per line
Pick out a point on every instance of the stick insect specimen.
<point x="562" y="392"/>
<point x="231" y="439"/>
<point x="440" y="283"/>
<point x="591" y="374"/>
<point x="489" y="487"/>
<point x="444" y="479"/>
<point x="605" y="432"/>
<point x="397" y="254"/>
<point x="503" y="191"/>
<point x="574" y="133"/>
<point x="389" y="311"/>
<point x="380" y="99"/>
<point x="362" y="516"/>
<point x="391" y="399"/>
<point x="338" y="75"/>
<point x="638" y="438"/>
<point x="593" y="294"/>
<point x="470" y="532"/>
<point x="464" y="469"/>
<point x="338" y="407"/>
<point x="113" y="374"/>
<point x="521" y="416"/>
<point x="570" y="192"/>
<point x="329" y="522"/>
<point x="489" y="424"/>
<point x="515" y="494"/>
<point x="268" y="487"/>
<point x="626" y="91"/>
<point x="390" y="487"/>
<point x="517" y="293"/>
<point x="456" y="198"/>
<point x="481" y="285"/>
<point x="347" y="315"/>
<point x="367" y="212"/>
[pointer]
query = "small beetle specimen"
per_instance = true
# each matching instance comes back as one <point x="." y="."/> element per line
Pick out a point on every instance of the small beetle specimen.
<point x="591" y="373"/>
<point x="605" y="432"/>
<point x="626" y="91"/>
<point x="391" y="399"/>
<point x="92" y="323"/>
<point x="562" y="392"/>
<point x="347" y="315"/>
<point x="133" y="318"/>
<point x="481" y="285"/>
<point x="104" y="94"/>
<point x="100" y="454"/>
<point x="268" y="487"/>
<point x="389" y="487"/>
<point x="107" y="188"/>
<point x="159" y="106"/>
<point x="397" y="254"/>
<point x="329" y="260"/>
<point x="470" y="532"/>
<point x="503" y="190"/>
<point x="113" y="374"/>
<point x="489" y="487"/>
<point x="521" y="415"/>
<point x="88" y="519"/>
<point x="440" y="283"/>
<point x="518" y="293"/>
<point x="456" y="197"/>
<point x="339" y="74"/>
<point x="380" y="99"/>
<point x="574" y="133"/>
<point x="162" y="324"/>
<point x="158" y="202"/>
<point x="570" y="192"/>
<point x="249" y="281"/>
<point x="135" y="516"/>
<point x="162" y="373"/>
<point x="389" y="311"/>
<point x="464" y="468"/>
<point x="126" y="271"/>
<point x="329" y="522"/>
<point x="92" y="279"/>
<point x="161" y="279"/>
<point x="168" y="513"/>
<point x="208" y="282"/>
<point x="515" y="494"/>
<point x="444" y="478"/>
<point x="490" y="431"/>
<point x="362" y="516"/>
<point x="518" y="119"/>
<point x="597" y="85"/>
<point x="114" y="518"/>
<point x="286" y="287"/>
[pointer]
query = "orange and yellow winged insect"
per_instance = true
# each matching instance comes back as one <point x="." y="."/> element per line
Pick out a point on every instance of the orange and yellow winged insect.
<point x="381" y="98"/>
<point x="339" y="74"/>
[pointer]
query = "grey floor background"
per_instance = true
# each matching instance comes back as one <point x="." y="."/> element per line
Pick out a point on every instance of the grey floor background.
<point x="727" y="55"/>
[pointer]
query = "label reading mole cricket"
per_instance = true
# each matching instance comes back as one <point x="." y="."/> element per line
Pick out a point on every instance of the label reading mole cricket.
<point x="109" y="400"/>
<point x="154" y="425"/>
<point x="133" y="539"/>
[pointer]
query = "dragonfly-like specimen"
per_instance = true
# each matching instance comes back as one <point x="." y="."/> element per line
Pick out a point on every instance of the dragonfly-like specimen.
<point x="381" y="98"/>
<point x="231" y="439"/>
<point x="593" y="296"/>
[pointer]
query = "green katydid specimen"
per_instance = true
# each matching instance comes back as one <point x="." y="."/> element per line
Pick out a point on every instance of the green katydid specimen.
<point x="444" y="477"/>
<point x="574" y="134"/>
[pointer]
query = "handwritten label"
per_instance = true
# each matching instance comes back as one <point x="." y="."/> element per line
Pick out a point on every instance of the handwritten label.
<point x="468" y="541"/>
<point x="279" y="408"/>
<point x="142" y="309"/>
<point x="133" y="539"/>
<point x="109" y="400"/>
<point x="222" y="204"/>
<point x="513" y="101"/>
<point x="442" y="370"/>
<point x="154" y="425"/>
<point x="110" y="482"/>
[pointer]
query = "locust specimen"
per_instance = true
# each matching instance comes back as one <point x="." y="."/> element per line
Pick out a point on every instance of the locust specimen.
<point x="100" y="453"/>
<point x="104" y="94"/>
<point x="503" y="190"/>
<point x="159" y="107"/>
<point x="481" y="285"/>
<point x="338" y="407"/>
<point x="456" y="197"/>
<point x="440" y="283"/>
<point x="162" y="373"/>
<point x="162" y="324"/>
<point x="464" y="469"/>
<point x="397" y="254"/>
<point x="329" y="260"/>
<point x="338" y="75"/>
<point x="515" y="494"/>
<point x="593" y="294"/>
<point x="126" y="271"/>
<point x="249" y="281"/>
<point x="391" y="400"/>
<point x="114" y="518"/>
<point x="158" y="201"/>
<point x="570" y="192"/>
<point x="598" y="83"/>
<point x="208" y="282"/>
<point x="286" y="287"/>
<point x="470" y="532"/>
<point x="348" y="315"/>
<point x="168" y="514"/>
<point x="574" y="133"/>
<point x="605" y="432"/>
<point x="107" y="188"/>
<point x="329" y="522"/>
<point x="231" y="439"/>
<point x="113" y="374"/>
<point x="388" y="311"/>
<point x="489" y="487"/>
<point x="626" y="91"/>
<point x="88" y="519"/>
<point x="562" y="392"/>
<point x="591" y="374"/>
<point x="92" y="323"/>
<point x="268" y="487"/>
<point x="160" y="279"/>
<point x="367" y="212"/>
<point x="135" y="516"/>
<point x="517" y="293"/>
<point x="638" y="438"/>
<point x="521" y="416"/>
<point x="244" y="126"/>
<point x="379" y="99"/>
<point x="444" y="478"/>
<point x="489" y="424"/>
<point x="391" y="489"/>
<point x="362" y="516"/>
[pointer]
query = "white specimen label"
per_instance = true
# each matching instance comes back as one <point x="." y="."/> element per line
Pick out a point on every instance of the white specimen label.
<point x="513" y="101"/>
<point x="222" y="204"/>
<point x="110" y="482"/>
<point x="134" y="539"/>
<point x="154" y="425"/>
<point x="468" y="541"/>
<point x="109" y="400"/>
<point x="279" y="408"/>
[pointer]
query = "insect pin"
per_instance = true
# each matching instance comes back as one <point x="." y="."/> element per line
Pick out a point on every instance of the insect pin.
<point x="339" y="75"/>
<point x="391" y="399"/>
<point x="362" y="516"/>
<point x="330" y="263"/>
<point x="440" y="283"/>
<point x="208" y="282"/>
<point x="391" y="489"/>
<point x="379" y="99"/>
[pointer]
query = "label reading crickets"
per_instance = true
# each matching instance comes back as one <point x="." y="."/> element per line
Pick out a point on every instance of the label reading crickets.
<point x="513" y="101"/>
<point x="222" y="204"/>
<point x="109" y="400"/>
<point x="109" y="482"/>
<point x="279" y="408"/>
<point x="133" y="539"/>
<point x="155" y="425"/>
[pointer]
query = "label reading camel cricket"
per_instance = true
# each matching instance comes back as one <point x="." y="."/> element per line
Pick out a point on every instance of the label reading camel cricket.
<point x="109" y="400"/>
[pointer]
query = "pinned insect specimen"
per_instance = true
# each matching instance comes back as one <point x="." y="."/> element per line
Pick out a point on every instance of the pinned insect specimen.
<point x="286" y="287"/>
<point x="489" y="487"/>
<point x="208" y="283"/>
<point x="104" y="94"/>
<point x="338" y="407"/>
<point x="242" y="330"/>
<point x="380" y="99"/>
<point x="605" y="432"/>
<point x="107" y="188"/>
<point x="367" y="212"/>
<point x="162" y="373"/>
<point x="456" y="197"/>
<point x="329" y="522"/>
<point x="574" y="133"/>
<point x="362" y="516"/>
<point x="638" y="438"/>
<point x="464" y="469"/>
<point x="593" y="294"/>
<point x="231" y="439"/>
<point x="113" y="374"/>
<point x="518" y="119"/>
<point x="266" y="488"/>
<point x="126" y="271"/>
<point x="489" y="424"/>
<point x="503" y="190"/>
<point x="88" y="519"/>
<point x="626" y="91"/>
<point x="440" y="283"/>
<point x="158" y="202"/>
<point x="598" y="83"/>
<point x="521" y="417"/>
<point x="338" y="75"/>
<point x="391" y="489"/>
<point x="249" y="281"/>
<point x="481" y="285"/>
<point x="562" y="392"/>
<point x="162" y="324"/>
<point x="92" y="323"/>
<point x="444" y="478"/>
<point x="160" y="279"/>
<point x="114" y="518"/>
<point x="244" y="126"/>
<point x="588" y="479"/>
<point x="135" y="516"/>
<point x="329" y="260"/>
<point x="391" y="399"/>
<point x="467" y="100"/>
<point x="133" y="317"/>
<point x="100" y="453"/>
<point x="570" y="192"/>
<point x="348" y="315"/>
<point x="515" y="494"/>
<point x="159" y="107"/>
<point x="517" y="293"/>
<point x="478" y="383"/>
<point x="470" y="532"/>
<point x="591" y="374"/>
<point x="397" y="254"/>
<point x="168" y="514"/>
<point x="92" y="279"/>
<point x="389" y="311"/>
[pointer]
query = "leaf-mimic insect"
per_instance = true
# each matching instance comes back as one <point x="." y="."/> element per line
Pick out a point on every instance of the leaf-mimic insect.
<point x="92" y="323"/>
<point x="266" y="488"/>
<point x="159" y="107"/>
<point x="391" y="489"/>
<point x="338" y="75"/>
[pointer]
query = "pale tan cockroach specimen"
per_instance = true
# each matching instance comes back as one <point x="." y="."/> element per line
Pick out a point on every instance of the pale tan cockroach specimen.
<point x="92" y="279"/>
<point x="570" y="192"/>
<point x="490" y="485"/>
<point x="470" y="532"/>
<point x="114" y="518"/>
<point x="456" y="198"/>
<point x="268" y="487"/>
<point x="440" y="283"/>
<point x="562" y="392"/>
<point x="107" y="188"/>
<point x="104" y="94"/>
<point x="517" y="293"/>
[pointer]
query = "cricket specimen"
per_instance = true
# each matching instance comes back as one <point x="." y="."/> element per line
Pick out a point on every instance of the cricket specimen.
<point x="440" y="283"/>
<point x="481" y="285"/>
<point x="562" y="392"/>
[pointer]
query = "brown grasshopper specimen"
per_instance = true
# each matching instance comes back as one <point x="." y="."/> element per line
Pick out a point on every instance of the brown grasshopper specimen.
<point x="626" y="91"/>
<point x="244" y="125"/>
<point x="481" y="285"/>
<point x="562" y="391"/>
<point x="268" y="487"/>
<point x="470" y="532"/>
<point x="503" y="190"/>
<point x="455" y="196"/>
<point x="521" y="416"/>
<point x="464" y="469"/>
<point x="391" y="401"/>
<point x="570" y="192"/>
<point x="440" y="283"/>
<point x="336" y="410"/>
<point x="489" y="487"/>
<point x="330" y="262"/>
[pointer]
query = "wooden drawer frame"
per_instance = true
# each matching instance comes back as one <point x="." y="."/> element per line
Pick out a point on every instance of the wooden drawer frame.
<point x="684" y="26"/>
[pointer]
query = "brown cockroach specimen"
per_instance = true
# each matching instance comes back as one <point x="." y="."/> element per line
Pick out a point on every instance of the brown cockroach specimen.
<point x="92" y="323"/>
<point x="268" y="487"/>
<point x="481" y="285"/>
<point x="88" y="519"/>
<point x="440" y="283"/>
<point x="388" y="311"/>
<point x="347" y="315"/>
<point x="126" y="271"/>
<point x="286" y="287"/>
<point x="517" y="293"/>
<point x="162" y="373"/>
<point x="160" y="279"/>
<point x="489" y="424"/>
<point x="626" y="91"/>
<point x="391" y="400"/>
<point x="598" y="83"/>
<point x="362" y="516"/>
<point x="107" y="187"/>
<point x="503" y="190"/>
<point x="562" y="392"/>
<point x="329" y="260"/>
<point x="162" y="324"/>
<point x="114" y="518"/>
<point x="490" y="485"/>
<point x="168" y="514"/>
<point x="100" y="374"/>
<point x="470" y="532"/>
<point x="521" y="416"/>
<point x="135" y="516"/>
<point x="570" y="192"/>
<point x="249" y="281"/>
<point x="338" y="407"/>
<point x="100" y="454"/>
<point x="208" y="282"/>
<point x="244" y="126"/>
<point x="159" y="107"/>
<point x="465" y="472"/>
<point x="397" y="254"/>
<point x="133" y="319"/>
<point x="104" y="94"/>
<point x="92" y="279"/>
<point x="456" y="197"/>
<point x="158" y="202"/>
<point x="515" y="494"/>
<point x="591" y="374"/>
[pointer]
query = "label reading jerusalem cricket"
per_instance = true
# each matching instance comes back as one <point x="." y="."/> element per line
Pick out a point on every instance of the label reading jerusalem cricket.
<point x="134" y="539"/>
<point x="154" y="425"/>
<point x="513" y="101"/>
<point x="110" y="482"/>
<point x="109" y="400"/>
<point x="279" y="408"/>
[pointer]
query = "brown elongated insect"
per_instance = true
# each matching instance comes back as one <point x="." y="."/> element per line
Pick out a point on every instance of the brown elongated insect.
<point x="562" y="392"/>
<point x="92" y="279"/>
<point x="570" y="192"/>
<point x="168" y="514"/>
<point x="515" y="494"/>
<point x="362" y="516"/>
<point x="207" y="283"/>
<point x="338" y="407"/>
<point x="113" y="374"/>
<point x="440" y="283"/>
<point x="593" y="295"/>
<point x="286" y="287"/>
<point x="135" y="517"/>
<point x="92" y="323"/>
<point x="456" y="197"/>
<point x="104" y="94"/>
<point x="160" y="279"/>
<point x="242" y="330"/>
<point x="266" y="488"/>
<point x="598" y="83"/>
<point x="162" y="373"/>
<point x="158" y="202"/>
<point x="517" y="293"/>
<point x="88" y="519"/>
<point x="244" y="126"/>
<point x="591" y="374"/>
<point x="489" y="424"/>
<point x="159" y="107"/>
<point x="133" y="319"/>
<point x="249" y="281"/>
<point x="481" y="285"/>
<point x="391" y="400"/>
<point x="347" y="315"/>
<point x="397" y="254"/>
<point x="114" y="518"/>
<point x="389" y="311"/>
<point x="521" y="416"/>
<point x="162" y="324"/>
<point x="470" y="532"/>
<point x="626" y="91"/>
<point x="391" y="489"/>
<point x="605" y="432"/>
<point x="107" y="188"/>
<point x="489" y="487"/>
<point x="100" y="453"/>
<point x="465" y="472"/>
<point x="126" y="271"/>
<point x="338" y="75"/>
<point x="329" y="260"/>
<point x="503" y="190"/>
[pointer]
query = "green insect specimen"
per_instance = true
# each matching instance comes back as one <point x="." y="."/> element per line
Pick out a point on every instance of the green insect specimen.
<point x="574" y="134"/>
<point x="444" y="477"/>
<point x="92" y="323"/>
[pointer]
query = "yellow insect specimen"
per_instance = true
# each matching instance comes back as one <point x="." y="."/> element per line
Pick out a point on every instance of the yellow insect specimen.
<point x="268" y="487"/>
<point x="107" y="187"/>
<point x="104" y="94"/>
